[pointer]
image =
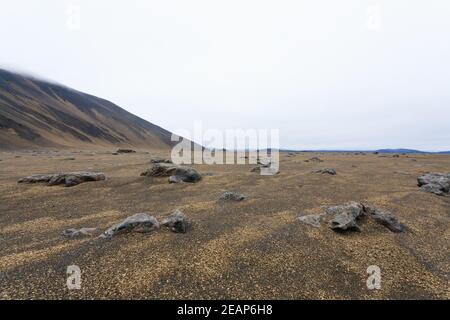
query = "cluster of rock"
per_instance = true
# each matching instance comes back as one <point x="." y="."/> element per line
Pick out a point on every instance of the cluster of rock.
<point x="68" y="179"/>
<point x="345" y="217"/>
<point x="175" y="173"/>
<point x="437" y="183"/>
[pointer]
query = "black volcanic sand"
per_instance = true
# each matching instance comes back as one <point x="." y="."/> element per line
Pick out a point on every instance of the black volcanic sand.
<point x="255" y="249"/>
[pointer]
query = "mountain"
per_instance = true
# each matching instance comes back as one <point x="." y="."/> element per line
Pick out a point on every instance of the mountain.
<point x="39" y="114"/>
<point x="399" y="151"/>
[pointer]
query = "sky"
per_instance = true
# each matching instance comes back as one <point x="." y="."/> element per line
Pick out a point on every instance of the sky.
<point x="348" y="74"/>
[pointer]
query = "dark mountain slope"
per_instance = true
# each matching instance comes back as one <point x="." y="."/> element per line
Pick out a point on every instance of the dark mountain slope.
<point x="35" y="113"/>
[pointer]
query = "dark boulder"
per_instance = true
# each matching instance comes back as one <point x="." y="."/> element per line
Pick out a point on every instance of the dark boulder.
<point x="175" y="173"/>
<point x="125" y="151"/>
<point x="160" y="160"/>
<point x="177" y="222"/>
<point x="326" y="171"/>
<point x="384" y="218"/>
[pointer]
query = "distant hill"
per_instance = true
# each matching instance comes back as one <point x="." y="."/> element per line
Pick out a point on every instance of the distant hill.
<point x="408" y="151"/>
<point x="39" y="114"/>
<point x="399" y="151"/>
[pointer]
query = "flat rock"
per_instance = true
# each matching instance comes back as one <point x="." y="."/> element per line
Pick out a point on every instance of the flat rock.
<point x="231" y="196"/>
<point x="69" y="179"/>
<point x="177" y="222"/>
<point x="326" y="171"/>
<point x="139" y="222"/>
<point x="437" y="183"/>
<point x="75" y="233"/>
<point x="384" y="218"/>
<point x="175" y="173"/>
<point x="125" y="151"/>
<point x="345" y="216"/>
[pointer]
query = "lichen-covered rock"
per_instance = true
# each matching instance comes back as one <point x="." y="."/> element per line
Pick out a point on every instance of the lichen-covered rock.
<point x="177" y="222"/>
<point x="384" y="218"/>
<point x="175" y="173"/>
<point x="75" y="233"/>
<point x="345" y="216"/>
<point x="139" y="222"/>
<point x="69" y="179"/>
<point x="231" y="196"/>
<point x="437" y="183"/>
<point x="326" y="171"/>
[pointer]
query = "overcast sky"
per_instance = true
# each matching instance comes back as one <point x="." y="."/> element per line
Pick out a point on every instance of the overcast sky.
<point x="347" y="74"/>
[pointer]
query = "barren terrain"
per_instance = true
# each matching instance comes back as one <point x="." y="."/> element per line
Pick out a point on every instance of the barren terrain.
<point x="256" y="248"/>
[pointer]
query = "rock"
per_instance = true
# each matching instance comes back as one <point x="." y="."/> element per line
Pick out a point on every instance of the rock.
<point x="175" y="173"/>
<point x="231" y="196"/>
<point x="139" y="222"/>
<point x="311" y="219"/>
<point x="326" y="171"/>
<point x="75" y="233"/>
<point x="69" y="179"/>
<point x="70" y="159"/>
<point x="384" y="218"/>
<point x="396" y="156"/>
<point x="177" y="222"/>
<point x="159" y="160"/>
<point x="125" y="151"/>
<point x="314" y="159"/>
<point x="437" y="183"/>
<point x="115" y="153"/>
<point x="345" y="216"/>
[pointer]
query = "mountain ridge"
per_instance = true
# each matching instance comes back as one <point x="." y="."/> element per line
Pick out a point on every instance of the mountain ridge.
<point x="35" y="113"/>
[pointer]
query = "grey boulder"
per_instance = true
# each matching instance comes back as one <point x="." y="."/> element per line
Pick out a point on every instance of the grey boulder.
<point x="384" y="218"/>
<point x="345" y="216"/>
<point x="139" y="222"/>
<point x="177" y="222"/>
<point x="437" y="183"/>
<point x="69" y="179"/>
